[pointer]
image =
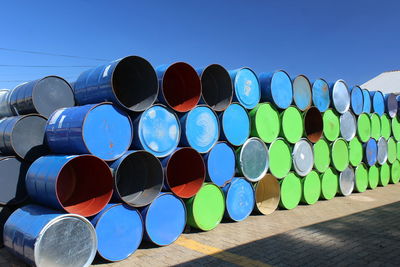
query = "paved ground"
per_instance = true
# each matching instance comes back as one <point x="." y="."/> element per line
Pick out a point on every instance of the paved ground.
<point x="359" y="230"/>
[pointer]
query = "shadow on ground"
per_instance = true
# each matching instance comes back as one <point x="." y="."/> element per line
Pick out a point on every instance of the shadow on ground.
<point x="367" y="238"/>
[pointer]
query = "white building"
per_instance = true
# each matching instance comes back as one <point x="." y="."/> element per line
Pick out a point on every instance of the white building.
<point x="386" y="82"/>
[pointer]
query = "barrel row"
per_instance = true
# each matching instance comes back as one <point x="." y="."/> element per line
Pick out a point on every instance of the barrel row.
<point x="151" y="160"/>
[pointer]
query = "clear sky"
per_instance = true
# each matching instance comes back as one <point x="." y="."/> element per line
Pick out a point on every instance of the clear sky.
<point x="332" y="39"/>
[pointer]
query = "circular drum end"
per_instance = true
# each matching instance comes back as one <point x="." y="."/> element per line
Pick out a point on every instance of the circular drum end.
<point x="135" y="83"/>
<point x="346" y="181"/>
<point x="69" y="240"/>
<point x="303" y="157"/>
<point x="267" y="192"/>
<point x="181" y="87"/>
<point x="138" y="178"/>
<point x="253" y="159"/>
<point x="84" y="185"/>
<point x="52" y="93"/>
<point x="217" y="88"/>
<point x="313" y="124"/>
<point x="185" y="172"/>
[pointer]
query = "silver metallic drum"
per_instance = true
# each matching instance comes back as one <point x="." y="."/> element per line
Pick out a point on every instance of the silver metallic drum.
<point x="5" y="108"/>
<point x="303" y="157"/>
<point x="348" y="125"/>
<point x="382" y="151"/>
<point x="340" y="96"/>
<point x="346" y="181"/>
<point x="44" y="237"/>
<point x="253" y="159"/>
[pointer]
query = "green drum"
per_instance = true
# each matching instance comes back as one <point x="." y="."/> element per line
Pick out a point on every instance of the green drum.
<point x="290" y="191"/>
<point x="331" y="126"/>
<point x="375" y="126"/>
<point x="364" y="127"/>
<point x="329" y="184"/>
<point x="395" y="172"/>
<point x="265" y="122"/>
<point x="361" y="178"/>
<point x="386" y="130"/>
<point x="280" y="158"/>
<point x="311" y="188"/>
<point x="340" y="154"/>
<point x="322" y="155"/>
<point x="392" y="150"/>
<point x="292" y="125"/>
<point x="355" y="152"/>
<point x="396" y="128"/>
<point x="373" y="177"/>
<point x="398" y="150"/>
<point x="206" y="209"/>
<point x="384" y="175"/>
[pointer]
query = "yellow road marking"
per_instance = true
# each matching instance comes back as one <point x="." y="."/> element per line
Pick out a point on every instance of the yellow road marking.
<point x="218" y="253"/>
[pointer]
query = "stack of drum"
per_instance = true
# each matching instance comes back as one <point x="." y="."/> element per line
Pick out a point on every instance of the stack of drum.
<point x="129" y="153"/>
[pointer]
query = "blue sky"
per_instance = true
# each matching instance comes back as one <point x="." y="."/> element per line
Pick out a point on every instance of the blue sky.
<point x="352" y="40"/>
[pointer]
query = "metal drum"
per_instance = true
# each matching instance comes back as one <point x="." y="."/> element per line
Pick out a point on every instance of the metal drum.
<point x="378" y="102"/>
<point x="311" y="188"/>
<point x="44" y="237"/>
<point x="184" y="172"/>
<point x="77" y="184"/>
<point x="322" y="155"/>
<point x="280" y="158"/>
<point x="180" y="86"/>
<point x="138" y="178"/>
<point x="292" y="125"/>
<point x="386" y="130"/>
<point x="303" y="157"/>
<point x="371" y="152"/>
<point x="12" y="180"/>
<point x="396" y="128"/>
<point x="235" y="125"/>
<point x="361" y="178"/>
<point x="340" y="154"/>
<point x="5" y="213"/>
<point x="246" y="87"/>
<point x="373" y="177"/>
<point x="291" y="191"/>
<point x="320" y="95"/>
<point x="265" y="122"/>
<point x="164" y="219"/>
<point x="395" y="172"/>
<point x="340" y="96"/>
<point x="329" y="184"/>
<point x="103" y="130"/>
<point x="355" y="152"/>
<point x="392" y="150"/>
<point x="200" y="129"/>
<point x="382" y="155"/>
<point x="331" y="125"/>
<point x="130" y="82"/>
<point x="391" y="105"/>
<point x="5" y="109"/>
<point x="375" y="126"/>
<point x="346" y="181"/>
<point x="157" y="130"/>
<point x="217" y="88"/>
<point x="357" y="100"/>
<point x="277" y="88"/>
<point x="220" y="164"/>
<point x="253" y="159"/>
<point x="384" y="174"/>
<point x="239" y="199"/>
<point x="23" y="136"/>
<point x="267" y="195"/>
<point x="302" y="92"/>
<point x="366" y="101"/>
<point x="206" y="209"/>
<point x="348" y="125"/>
<point x="364" y="127"/>
<point x="313" y="124"/>
<point x="119" y="230"/>
<point x="42" y="96"/>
